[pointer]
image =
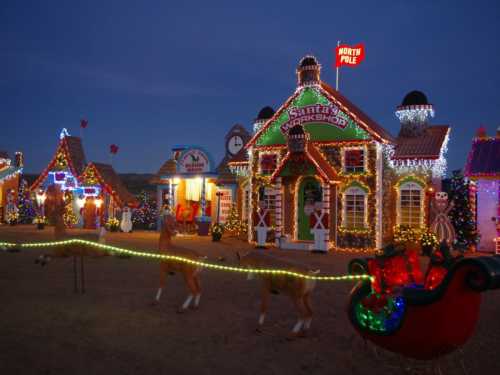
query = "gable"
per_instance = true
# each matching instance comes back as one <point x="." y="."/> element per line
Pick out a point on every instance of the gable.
<point x="338" y="125"/>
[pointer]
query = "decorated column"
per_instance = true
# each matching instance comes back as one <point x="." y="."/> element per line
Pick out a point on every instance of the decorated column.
<point x="326" y="208"/>
<point x="278" y="210"/>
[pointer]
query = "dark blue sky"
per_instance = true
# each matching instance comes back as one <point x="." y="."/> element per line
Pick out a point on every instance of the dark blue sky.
<point x="149" y="75"/>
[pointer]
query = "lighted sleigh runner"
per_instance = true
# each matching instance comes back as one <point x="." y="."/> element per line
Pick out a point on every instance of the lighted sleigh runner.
<point x="421" y="322"/>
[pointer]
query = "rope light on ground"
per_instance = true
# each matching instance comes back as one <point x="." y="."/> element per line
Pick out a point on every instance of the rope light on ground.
<point x="176" y="258"/>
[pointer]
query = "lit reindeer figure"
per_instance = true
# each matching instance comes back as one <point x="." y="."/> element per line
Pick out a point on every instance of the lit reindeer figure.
<point x="441" y="224"/>
<point x="298" y="289"/>
<point x="190" y="272"/>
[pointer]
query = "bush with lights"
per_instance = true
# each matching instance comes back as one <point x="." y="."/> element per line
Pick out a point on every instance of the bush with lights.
<point x="217" y="232"/>
<point x="429" y="242"/>
<point x="113" y="224"/>
<point x="404" y="234"/>
<point x="12" y="217"/>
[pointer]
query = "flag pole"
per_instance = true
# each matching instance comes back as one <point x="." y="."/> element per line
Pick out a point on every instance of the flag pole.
<point x="337" y="70"/>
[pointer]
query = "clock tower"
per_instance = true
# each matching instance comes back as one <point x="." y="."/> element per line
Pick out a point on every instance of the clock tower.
<point x="236" y="139"/>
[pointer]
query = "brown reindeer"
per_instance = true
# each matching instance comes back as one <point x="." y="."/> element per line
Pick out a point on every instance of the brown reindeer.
<point x="298" y="289"/>
<point x="190" y="272"/>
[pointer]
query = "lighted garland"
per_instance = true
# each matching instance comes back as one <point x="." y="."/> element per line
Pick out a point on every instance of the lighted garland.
<point x="380" y="313"/>
<point x="406" y="234"/>
<point x="69" y="216"/>
<point x="176" y="258"/>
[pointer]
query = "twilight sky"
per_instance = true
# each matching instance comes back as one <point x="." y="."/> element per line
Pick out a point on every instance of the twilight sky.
<point x="151" y="74"/>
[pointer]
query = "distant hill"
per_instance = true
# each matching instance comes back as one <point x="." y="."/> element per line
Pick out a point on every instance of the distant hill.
<point x="135" y="182"/>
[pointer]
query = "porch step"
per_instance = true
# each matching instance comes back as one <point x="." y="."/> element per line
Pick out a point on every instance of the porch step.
<point x="297" y="245"/>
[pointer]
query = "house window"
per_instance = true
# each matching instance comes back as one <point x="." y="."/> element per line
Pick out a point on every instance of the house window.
<point x="268" y="163"/>
<point x="411" y="205"/>
<point x="355" y="202"/>
<point x="354" y="160"/>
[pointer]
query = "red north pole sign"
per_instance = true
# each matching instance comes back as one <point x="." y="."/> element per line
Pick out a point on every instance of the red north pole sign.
<point x="350" y="56"/>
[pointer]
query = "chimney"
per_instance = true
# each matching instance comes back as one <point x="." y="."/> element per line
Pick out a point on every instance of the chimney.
<point x="308" y="71"/>
<point x="481" y="133"/>
<point x="264" y="114"/>
<point x="19" y="159"/>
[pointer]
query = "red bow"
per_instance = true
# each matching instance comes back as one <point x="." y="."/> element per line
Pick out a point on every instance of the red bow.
<point x="113" y="149"/>
<point x="83" y="123"/>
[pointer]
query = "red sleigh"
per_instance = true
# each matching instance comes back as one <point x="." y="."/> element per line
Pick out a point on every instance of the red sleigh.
<point x="423" y="323"/>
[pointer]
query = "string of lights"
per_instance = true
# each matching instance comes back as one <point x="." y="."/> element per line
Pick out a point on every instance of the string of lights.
<point x="176" y="258"/>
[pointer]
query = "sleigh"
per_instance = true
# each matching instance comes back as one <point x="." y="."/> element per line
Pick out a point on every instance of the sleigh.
<point x="423" y="323"/>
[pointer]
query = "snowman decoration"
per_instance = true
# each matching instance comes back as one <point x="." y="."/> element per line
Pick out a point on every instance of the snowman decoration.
<point x="441" y="224"/>
<point x="126" y="222"/>
<point x="319" y="226"/>
<point x="261" y="221"/>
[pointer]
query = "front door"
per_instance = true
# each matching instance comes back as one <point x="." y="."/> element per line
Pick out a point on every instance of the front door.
<point x="89" y="214"/>
<point x="309" y="193"/>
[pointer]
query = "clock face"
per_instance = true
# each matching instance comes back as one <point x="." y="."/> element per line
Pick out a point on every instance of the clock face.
<point x="235" y="144"/>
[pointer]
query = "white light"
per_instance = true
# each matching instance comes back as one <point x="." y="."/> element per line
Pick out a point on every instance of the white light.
<point x="80" y="202"/>
<point x="413" y="115"/>
<point x="98" y="202"/>
<point x="64" y="133"/>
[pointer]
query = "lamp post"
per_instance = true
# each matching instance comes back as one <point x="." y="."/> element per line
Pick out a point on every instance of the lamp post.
<point x="219" y="194"/>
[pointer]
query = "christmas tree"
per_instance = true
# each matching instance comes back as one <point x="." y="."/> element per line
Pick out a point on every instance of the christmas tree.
<point x="69" y="216"/>
<point x="25" y="204"/>
<point x="145" y="216"/>
<point x="461" y="215"/>
<point x="233" y="223"/>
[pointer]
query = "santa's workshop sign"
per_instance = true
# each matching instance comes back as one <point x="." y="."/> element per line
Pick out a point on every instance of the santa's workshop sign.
<point x="317" y="113"/>
<point x="193" y="161"/>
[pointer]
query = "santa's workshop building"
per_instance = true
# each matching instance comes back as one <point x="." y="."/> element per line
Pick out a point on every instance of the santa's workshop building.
<point x="321" y="159"/>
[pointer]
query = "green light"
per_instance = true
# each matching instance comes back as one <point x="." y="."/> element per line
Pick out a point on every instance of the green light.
<point x="189" y="261"/>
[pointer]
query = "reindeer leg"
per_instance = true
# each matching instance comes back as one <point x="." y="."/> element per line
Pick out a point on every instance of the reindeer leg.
<point x="308" y="309"/>
<point x="163" y="278"/>
<point x="299" y="304"/>
<point x="82" y="275"/>
<point x="75" y="276"/>
<point x="264" y="303"/>
<point x="189" y="279"/>
<point x="197" y="296"/>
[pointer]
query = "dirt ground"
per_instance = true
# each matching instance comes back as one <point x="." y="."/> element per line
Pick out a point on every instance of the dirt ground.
<point x="112" y="329"/>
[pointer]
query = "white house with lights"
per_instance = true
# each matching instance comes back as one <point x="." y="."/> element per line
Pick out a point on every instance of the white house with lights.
<point x="320" y="162"/>
<point x="483" y="169"/>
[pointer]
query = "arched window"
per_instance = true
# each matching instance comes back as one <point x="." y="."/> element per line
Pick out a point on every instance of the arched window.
<point x="355" y="208"/>
<point x="410" y="204"/>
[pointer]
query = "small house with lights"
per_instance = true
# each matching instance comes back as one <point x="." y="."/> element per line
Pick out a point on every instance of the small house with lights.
<point x="186" y="187"/>
<point x="93" y="191"/>
<point x="9" y="180"/>
<point x="321" y="152"/>
<point x="483" y="169"/>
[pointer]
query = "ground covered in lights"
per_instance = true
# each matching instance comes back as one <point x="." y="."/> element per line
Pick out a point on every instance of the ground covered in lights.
<point x="47" y="329"/>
